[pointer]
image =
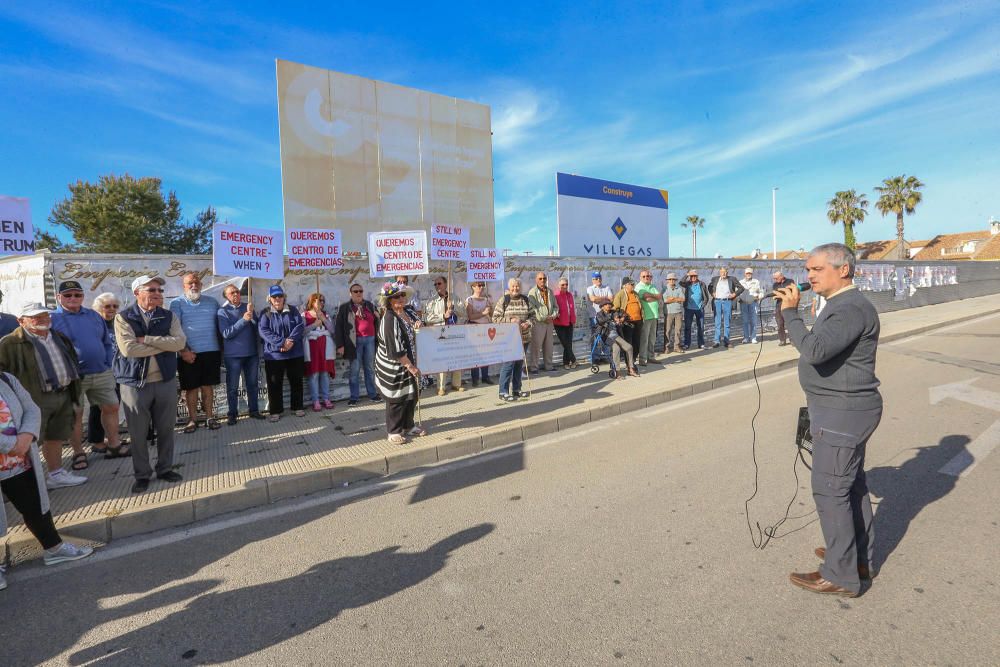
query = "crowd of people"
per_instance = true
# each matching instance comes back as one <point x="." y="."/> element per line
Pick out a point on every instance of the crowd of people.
<point x="136" y="359"/>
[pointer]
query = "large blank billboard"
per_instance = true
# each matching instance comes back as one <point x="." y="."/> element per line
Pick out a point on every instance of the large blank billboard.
<point x="362" y="155"/>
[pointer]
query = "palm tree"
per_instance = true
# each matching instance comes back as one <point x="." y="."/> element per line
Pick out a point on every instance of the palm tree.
<point x="897" y="195"/>
<point x="694" y="222"/>
<point x="848" y="208"/>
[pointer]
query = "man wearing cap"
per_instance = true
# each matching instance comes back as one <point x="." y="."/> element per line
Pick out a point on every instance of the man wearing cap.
<point x="695" y="300"/>
<point x="673" y="319"/>
<point x="95" y="351"/>
<point x="7" y="321"/>
<point x="46" y="364"/>
<point x="198" y="368"/>
<point x="749" y="305"/>
<point x="649" y="299"/>
<point x="149" y="338"/>
<point x="597" y="293"/>
<point x="724" y="290"/>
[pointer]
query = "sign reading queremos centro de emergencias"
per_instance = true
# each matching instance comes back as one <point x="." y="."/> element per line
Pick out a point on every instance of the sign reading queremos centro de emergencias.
<point x="599" y="218"/>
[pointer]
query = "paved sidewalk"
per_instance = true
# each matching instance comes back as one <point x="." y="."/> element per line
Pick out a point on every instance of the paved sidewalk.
<point x="256" y="462"/>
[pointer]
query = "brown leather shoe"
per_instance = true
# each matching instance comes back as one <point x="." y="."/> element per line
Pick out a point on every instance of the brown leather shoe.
<point x="811" y="581"/>
<point x="862" y="569"/>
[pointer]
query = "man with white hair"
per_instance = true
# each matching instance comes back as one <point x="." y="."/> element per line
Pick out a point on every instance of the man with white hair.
<point x="46" y="364"/>
<point x="149" y="338"/>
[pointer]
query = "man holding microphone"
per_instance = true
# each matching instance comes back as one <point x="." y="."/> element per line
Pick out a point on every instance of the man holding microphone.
<point x="837" y="374"/>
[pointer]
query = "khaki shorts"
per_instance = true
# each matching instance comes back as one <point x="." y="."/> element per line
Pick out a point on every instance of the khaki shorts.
<point x="99" y="388"/>
<point x="57" y="416"/>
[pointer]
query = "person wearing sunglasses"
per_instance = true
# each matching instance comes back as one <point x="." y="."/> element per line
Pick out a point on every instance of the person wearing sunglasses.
<point x="148" y="338"/>
<point x="95" y="351"/>
<point x="354" y="336"/>
<point x="440" y="311"/>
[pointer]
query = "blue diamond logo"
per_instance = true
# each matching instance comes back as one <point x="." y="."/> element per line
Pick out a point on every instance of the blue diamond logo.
<point x="619" y="228"/>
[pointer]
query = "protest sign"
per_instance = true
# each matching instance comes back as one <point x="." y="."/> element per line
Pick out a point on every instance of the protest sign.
<point x="17" y="237"/>
<point x="450" y="348"/>
<point x="449" y="242"/>
<point x="243" y="251"/>
<point x="484" y="265"/>
<point x="397" y="253"/>
<point x="314" y="248"/>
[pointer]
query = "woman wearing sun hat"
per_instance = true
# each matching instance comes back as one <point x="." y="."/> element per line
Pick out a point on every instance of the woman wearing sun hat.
<point x="396" y="374"/>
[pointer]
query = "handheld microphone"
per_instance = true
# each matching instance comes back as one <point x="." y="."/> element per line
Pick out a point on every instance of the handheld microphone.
<point x="803" y="287"/>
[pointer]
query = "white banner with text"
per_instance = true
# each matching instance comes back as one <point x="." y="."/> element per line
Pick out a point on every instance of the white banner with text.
<point x="450" y="348"/>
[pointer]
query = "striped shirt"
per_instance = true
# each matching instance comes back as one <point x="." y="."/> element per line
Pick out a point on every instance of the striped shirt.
<point x="395" y="340"/>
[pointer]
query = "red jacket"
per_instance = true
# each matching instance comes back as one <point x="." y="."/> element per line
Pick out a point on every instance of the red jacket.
<point x="567" y="309"/>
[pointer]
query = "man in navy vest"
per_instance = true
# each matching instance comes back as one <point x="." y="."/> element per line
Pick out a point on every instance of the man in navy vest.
<point x="149" y="338"/>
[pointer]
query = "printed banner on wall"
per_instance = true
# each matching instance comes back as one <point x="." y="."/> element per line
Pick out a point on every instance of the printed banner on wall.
<point x="17" y="236"/>
<point x="244" y="251"/>
<point x="598" y="218"/>
<point x="397" y="253"/>
<point x="314" y="248"/>
<point x="451" y="348"/>
<point x="484" y="265"/>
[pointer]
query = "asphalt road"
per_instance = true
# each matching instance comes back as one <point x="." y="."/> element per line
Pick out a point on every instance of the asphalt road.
<point x="624" y="541"/>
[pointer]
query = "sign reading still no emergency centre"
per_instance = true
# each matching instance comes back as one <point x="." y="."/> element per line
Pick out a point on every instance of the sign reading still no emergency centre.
<point x="244" y="251"/>
<point x="449" y="242"/>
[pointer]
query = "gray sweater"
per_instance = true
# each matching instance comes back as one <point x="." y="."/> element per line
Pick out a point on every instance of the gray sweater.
<point x="27" y="418"/>
<point x="837" y="362"/>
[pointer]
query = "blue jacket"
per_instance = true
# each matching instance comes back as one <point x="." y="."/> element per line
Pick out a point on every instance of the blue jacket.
<point x="7" y="324"/>
<point x="239" y="335"/>
<point x="275" y="328"/>
<point x="89" y="333"/>
<point x="131" y="371"/>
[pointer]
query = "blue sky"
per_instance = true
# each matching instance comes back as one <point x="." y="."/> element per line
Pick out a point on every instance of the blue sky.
<point x="715" y="102"/>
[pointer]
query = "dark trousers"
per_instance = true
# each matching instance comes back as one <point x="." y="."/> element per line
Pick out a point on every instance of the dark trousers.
<point x="840" y="490"/>
<point x="633" y="335"/>
<point x="697" y="316"/>
<point x="565" y="335"/>
<point x="779" y="321"/>
<point x="399" y="415"/>
<point x="22" y="492"/>
<point x="276" y="370"/>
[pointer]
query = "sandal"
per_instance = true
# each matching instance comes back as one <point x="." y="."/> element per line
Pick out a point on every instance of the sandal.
<point x="418" y="431"/>
<point x="300" y="413"/>
<point x="191" y="427"/>
<point x="397" y="439"/>
<point x="120" y="452"/>
<point x="80" y="461"/>
<point x="213" y="424"/>
<point x="99" y="451"/>
<point x="274" y="418"/>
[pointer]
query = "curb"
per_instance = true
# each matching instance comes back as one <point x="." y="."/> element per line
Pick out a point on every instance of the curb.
<point x="261" y="492"/>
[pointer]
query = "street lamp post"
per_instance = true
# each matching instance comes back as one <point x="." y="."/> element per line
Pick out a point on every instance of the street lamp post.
<point x="774" y="223"/>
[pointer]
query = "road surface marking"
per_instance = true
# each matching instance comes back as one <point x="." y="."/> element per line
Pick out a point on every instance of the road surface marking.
<point x="974" y="452"/>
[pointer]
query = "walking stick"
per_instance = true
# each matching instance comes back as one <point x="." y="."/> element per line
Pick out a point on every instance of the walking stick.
<point x="527" y="375"/>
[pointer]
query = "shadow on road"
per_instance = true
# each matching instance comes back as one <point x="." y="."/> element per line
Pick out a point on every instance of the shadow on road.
<point x="907" y="489"/>
<point x="229" y="625"/>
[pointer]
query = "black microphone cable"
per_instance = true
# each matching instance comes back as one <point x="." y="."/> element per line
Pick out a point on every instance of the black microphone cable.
<point x="764" y="534"/>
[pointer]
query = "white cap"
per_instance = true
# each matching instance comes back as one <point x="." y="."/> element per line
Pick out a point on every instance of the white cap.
<point x="749" y="269"/>
<point x="32" y="309"/>
<point x="145" y="280"/>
